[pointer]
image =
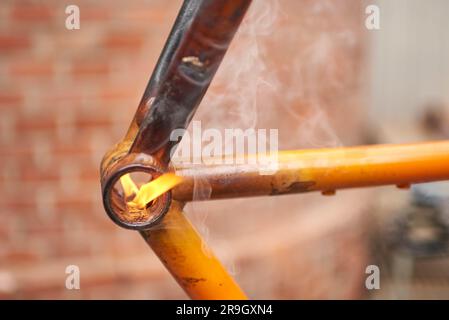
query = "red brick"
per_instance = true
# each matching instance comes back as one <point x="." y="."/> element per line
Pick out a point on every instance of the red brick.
<point x="36" y="123"/>
<point x="17" y="151"/>
<point x="20" y="204"/>
<point x="95" y="13"/>
<point x="117" y="93"/>
<point x="155" y="15"/>
<point x="65" y="149"/>
<point x="30" y="174"/>
<point x="21" y="256"/>
<point x="10" y="98"/>
<point x="31" y="13"/>
<point x="51" y="228"/>
<point x="89" y="173"/>
<point x="53" y="98"/>
<point x="14" y="42"/>
<point x="92" y="121"/>
<point x="90" y="68"/>
<point x="81" y="205"/>
<point x="124" y="41"/>
<point x="31" y="68"/>
<point x="61" y="150"/>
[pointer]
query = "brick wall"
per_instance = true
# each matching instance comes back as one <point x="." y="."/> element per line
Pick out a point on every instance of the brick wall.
<point x="67" y="96"/>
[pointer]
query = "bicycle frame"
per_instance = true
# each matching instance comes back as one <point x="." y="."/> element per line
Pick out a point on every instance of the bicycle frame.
<point x="196" y="45"/>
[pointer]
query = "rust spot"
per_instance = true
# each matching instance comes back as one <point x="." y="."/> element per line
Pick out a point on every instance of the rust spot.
<point x="328" y="192"/>
<point x="295" y="187"/>
<point x="192" y="280"/>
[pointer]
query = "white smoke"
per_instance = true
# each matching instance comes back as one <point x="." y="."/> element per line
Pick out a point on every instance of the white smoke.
<point x="279" y="74"/>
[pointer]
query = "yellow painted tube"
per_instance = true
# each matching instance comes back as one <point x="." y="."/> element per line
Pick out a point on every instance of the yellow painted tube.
<point x="324" y="170"/>
<point x="187" y="257"/>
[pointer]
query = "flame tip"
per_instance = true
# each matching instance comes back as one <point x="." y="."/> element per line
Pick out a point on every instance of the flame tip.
<point x="149" y="191"/>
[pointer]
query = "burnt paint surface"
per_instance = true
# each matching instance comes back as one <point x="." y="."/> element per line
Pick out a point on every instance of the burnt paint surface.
<point x="183" y="81"/>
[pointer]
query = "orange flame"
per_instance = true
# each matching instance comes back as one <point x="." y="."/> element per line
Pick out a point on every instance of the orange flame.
<point x="128" y="185"/>
<point x="149" y="191"/>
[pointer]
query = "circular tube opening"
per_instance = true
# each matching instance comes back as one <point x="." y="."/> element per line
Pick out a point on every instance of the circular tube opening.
<point x="121" y="201"/>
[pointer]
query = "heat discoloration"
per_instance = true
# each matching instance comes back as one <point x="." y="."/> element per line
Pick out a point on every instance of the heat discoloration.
<point x="323" y="170"/>
<point x="192" y="281"/>
<point x="294" y="187"/>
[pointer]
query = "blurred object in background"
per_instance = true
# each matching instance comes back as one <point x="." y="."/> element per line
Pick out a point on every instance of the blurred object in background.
<point x="409" y="91"/>
<point x="424" y="230"/>
<point x="413" y="233"/>
<point x="435" y="121"/>
<point x="415" y="242"/>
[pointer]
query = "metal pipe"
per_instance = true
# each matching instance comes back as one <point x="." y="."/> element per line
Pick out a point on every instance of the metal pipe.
<point x="187" y="257"/>
<point x="324" y="170"/>
<point x="188" y="75"/>
<point x="183" y="20"/>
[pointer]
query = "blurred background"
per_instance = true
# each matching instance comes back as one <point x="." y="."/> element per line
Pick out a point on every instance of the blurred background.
<point x="309" y="68"/>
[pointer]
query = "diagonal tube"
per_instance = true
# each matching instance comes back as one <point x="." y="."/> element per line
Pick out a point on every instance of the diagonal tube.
<point x="186" y="74"/>
<point x="187" y="257"/>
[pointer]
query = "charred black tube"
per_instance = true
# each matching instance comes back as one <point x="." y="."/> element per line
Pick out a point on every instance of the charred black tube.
<point x="183" y="20"/>
<point x="186" y="73"/>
